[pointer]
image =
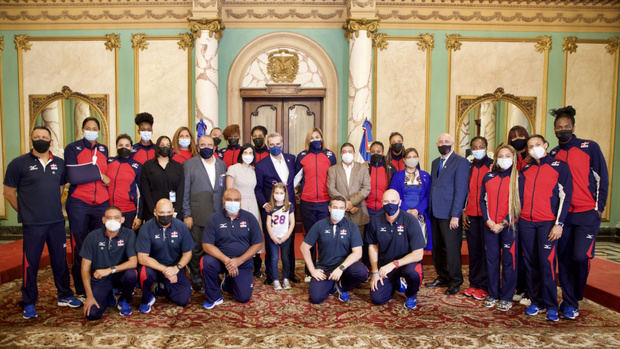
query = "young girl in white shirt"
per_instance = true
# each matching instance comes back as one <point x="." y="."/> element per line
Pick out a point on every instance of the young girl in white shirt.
<point x="280" y="225"/>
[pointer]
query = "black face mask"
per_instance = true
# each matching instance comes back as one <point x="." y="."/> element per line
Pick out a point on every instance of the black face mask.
<point x="376" y="158"/>
<point x="444" y="149"/>
<point x="233" y="142"/>
<point x="41" y="146"/>
<point x="564" y="135"/>
<point x="123" y="152"/>
<point x="519" y="144"/>
<point x="164" y="220"/>
<point x="216" y="141"/>
<point x="259" y="142"/>
<point x="397" y="148"/>
<point x="163" y="151"/>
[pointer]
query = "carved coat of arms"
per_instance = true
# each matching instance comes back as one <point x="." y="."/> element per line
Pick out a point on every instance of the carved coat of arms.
<point x="283" y="65"/>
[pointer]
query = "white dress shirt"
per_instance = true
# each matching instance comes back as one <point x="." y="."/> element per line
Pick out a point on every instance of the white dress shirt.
<point x="347" y="171"/>
<point x="281" y="168"/>
<point x="210" y="168"/>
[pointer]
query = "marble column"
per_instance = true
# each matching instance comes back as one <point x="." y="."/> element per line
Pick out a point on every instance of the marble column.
<point x="51" y="117"/>
<point x="487" y="123"/>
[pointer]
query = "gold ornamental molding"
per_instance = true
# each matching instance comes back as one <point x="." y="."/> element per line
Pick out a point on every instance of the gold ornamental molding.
<point x="213" y="25"/>
<point x="352" y="26"/>
<point x="112" y="42"/>
<point x="138" y="41"/>
<point x="283" y="65"/>
<point x="613" y="45"/>
<point x="379" y="40"/>
<point x="427" y="42"/>
<point x="186" y="41"/>
<point x="1" y="45"/>
<point x="452" y="42"/>
<point x="543" y="44"/>
<point x="22" y="42"/>
<point x="569" y="44"/>
<point x="3" y="213"/>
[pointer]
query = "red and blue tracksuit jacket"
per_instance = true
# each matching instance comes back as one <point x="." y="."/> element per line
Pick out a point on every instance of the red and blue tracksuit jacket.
<point x="82" y="152"/>
<point x="261" y="153"/>
<point x="521" y="160"/>
<point x="589" y="171"/>
<point x="229" y="155"/>
<point x="477" y="171"/>
<point x="315" y="166"/>
<point x="380" y="179"/>
<point x="494" y="196"/>
<point x="398" y="162"/>
<point x="545" y="189"/>
<point x="124" y="184"/>
<point x="142" y="153"/>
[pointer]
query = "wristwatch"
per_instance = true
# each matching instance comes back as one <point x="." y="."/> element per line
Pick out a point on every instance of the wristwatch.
<point x="179" y="266"/>
<point x="113" y="270"/>
<point x="341" y="267"/>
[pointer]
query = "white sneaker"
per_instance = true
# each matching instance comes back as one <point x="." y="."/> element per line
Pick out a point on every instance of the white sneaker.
<point x="286" y="284"/>
<point x="276" y="285"/>
<point x="518" y="297"/>
<point x="307" y="279"/>
<point x="525" y="301"/>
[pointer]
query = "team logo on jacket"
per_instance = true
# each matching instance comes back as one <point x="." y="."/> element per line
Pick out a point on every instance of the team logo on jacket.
<point x="584" y="145"/>
<point x="326" y="231"/>
<point x="547" y="247"/>
<point x="135" y="165"/>
<point x="382" y="229"/>
<point x="78" y="148"/>
<point x="343" y="233"/>
<point x="329" y="153"/>
<point x="243" y="224"/>
<point x="400" y="229"/>
<point x="101" y="148"/>
<point x="223" y="225"/>
<point x="174" y="234"/>
<point x="157" y="236"/>
<point x="555" y="164"/>
<point x="491" y="175"/>
<point x="589" y="236"/>
<point x="33" y="167"/>
<point x="120" y="242"/>
<point x="53" y="167"/>
<point x="101" y="244"/>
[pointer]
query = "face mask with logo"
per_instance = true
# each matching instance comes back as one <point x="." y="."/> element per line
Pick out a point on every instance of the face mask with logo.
<point x="278" y="197"/>
<point x="316" y="145"/>
<point x="564" y="135"/>
<point x="206" y="153"/>
<point x="411" y="162"/>
<point x="233" y="142"/>
<point x="336" y="214"/>
<point x="216" y="141"/>
<point x="444" y="149"/>
<point x="390" y="209"/>
<point x="112" y="225"/>
<point x="347" y="158"/>
<point x="537" y="152"/>
<point x="185" y="142"/>
<point x="479" y="154"/>
<point x="232" y="207"/>
<point x="164" y="220"/>
<point x="41" y="146"/>
<point x="259" y="142"/>
<point x="275" y="150"/>
<point x="123" y="152"/>
<point x="504" y="163"/>
<point x="91" y="136"/>
<point x="145" y="136"/>
<point x="247" y="158"/>
<point x="376" y="159"/>
<point x="163" y="151"/>
<point x="519" y="144"/>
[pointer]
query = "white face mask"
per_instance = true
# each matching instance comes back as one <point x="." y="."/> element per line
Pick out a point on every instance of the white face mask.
<point x="184" y="142"/>
<point x="232" y="207"/>
<point x="247" y="158"/>
<point x="347" y="158"/>
<point x="112" y="225"/>
<point x="412" y="162"/>
<point x="479" y="154"/>
<point x="504" y="163"/>
<point x="336" y="214"/>
<point x="91" y="136"/>
<point x="537" y="152"/>
<point x="278" y="197"/>
<point x="146" y="135"/>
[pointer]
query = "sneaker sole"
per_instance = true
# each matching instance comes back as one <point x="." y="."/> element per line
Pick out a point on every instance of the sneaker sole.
<point x="62" y="304"/>
<point x="150" y="306"/>
<point x="479" y="298"/>
<point x="121" y="312"/>
<point x="29" y="317"/>
<point x="217" y="302"/>
<point x="406" y="307"/>
<point x="553" y="320"/>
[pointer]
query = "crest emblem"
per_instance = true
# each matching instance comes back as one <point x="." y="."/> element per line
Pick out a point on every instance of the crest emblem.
<point x="283" y="65"/>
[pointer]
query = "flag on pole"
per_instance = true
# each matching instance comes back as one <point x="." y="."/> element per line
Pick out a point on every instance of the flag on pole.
<point x="364" y="148"/>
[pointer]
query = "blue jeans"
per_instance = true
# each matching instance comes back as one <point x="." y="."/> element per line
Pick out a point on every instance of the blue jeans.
<point x="274" y="254"/>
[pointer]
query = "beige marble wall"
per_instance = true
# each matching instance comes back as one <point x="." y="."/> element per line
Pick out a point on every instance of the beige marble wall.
<point x="589" y="87"/>
<point x="481" y="67"/>
<point x="85" y="66"/>
<point x="401" y="95"/>
<point x="163" y="86"/>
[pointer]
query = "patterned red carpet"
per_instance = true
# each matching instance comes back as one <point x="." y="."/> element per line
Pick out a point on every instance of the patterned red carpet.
<point x="286" y="319"/>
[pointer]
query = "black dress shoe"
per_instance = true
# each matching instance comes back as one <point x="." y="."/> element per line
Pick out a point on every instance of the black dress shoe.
<point x="452" y="290"/>
<point x="268" y="281"/>
<point x="294" y="279"/>
<point x="436" y="283"/>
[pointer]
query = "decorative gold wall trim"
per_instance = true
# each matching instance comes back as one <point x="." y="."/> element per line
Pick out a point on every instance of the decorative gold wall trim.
<point x="213" y="25"/>
<point x="569" y="44"/>
<point x="352" y="26"/>
<point x="112" y="41"/>
<point x="4" y="213"/>
<point x="426" y="44"/>
<point x="379" y="41"/>
<point x="283" y="65"/>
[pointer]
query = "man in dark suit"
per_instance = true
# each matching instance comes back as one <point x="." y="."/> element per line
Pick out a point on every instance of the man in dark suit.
<point x="277" y="167"/>
<point x="450" y="174"/>
<point x="205" y="182"/>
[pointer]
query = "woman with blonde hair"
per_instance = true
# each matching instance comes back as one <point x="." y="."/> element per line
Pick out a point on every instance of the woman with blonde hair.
<point x="501" y="206"/>
<point x="183" y="145"/>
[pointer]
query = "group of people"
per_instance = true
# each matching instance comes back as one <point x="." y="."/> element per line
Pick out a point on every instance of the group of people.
<point x="159" y="208"/>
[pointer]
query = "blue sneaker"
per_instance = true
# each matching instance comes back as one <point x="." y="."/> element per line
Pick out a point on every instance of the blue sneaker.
<point x="124" y="308"/>
<point x="411" y="303"/>
<point x="343" y="296"/>
<point x="112" y="301"/>
<point x="403" y="286"/>
<point x="70" y="302"/>
<point x="533" y="309"/>
<point x="29" y="312"/>
<point x="145" y="308"/>
<point x="207" y="305"/>
<point x="552" y="315"/>
<point x="569" y="313"/>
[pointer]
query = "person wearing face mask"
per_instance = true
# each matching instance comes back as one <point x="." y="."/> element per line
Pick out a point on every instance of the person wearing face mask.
<point x="232" y="237"/>
<point x="473" y="222"/>
<point x="164" y="246"/>
<point x="33" y="186"/>
<point x="279" y="168"/>
<point x="380" y="176"/>
<point x="162" y="178"/>
<point x="183" y="145"/>
<point x="449" y="177"/>
<point x="501" y="206"/>
<point x="88" y="193"/>
<point x="144" y="149"/>
<point x="414" y="187"/>
<point x="546" y="189"/>
<point x="311" y="168"/>
<point x="395" y="153"/>
<point x="230" y="154"/>
<point x="205" y="182"/>
<point x="124" y="173"/>
<point x="396" y="248"/>
<point x="113" y="266"/>
<point x="338" y="268"/>
<point x="517" y="138"/>
<point x="216" y="134"/>
<point x="260" y="145"/>
<point x="590" y="185"/>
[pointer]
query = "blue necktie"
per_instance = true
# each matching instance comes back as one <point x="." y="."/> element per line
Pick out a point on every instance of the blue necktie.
<point x="441" y="161"/>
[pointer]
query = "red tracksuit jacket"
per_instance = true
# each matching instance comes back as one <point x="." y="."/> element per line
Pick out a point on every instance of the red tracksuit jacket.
<point x="123" y="189"/>
<point x="82" y="152"/>
<point x="315" y="166"/>
<point x="477" y="170"/>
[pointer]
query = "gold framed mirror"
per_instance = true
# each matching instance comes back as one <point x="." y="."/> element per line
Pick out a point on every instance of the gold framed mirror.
<point x="492" y="115"/>
<point x="63" y="112"/>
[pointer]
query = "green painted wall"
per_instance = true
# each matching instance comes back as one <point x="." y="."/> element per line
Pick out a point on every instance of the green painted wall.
<point x="336" y="46"/>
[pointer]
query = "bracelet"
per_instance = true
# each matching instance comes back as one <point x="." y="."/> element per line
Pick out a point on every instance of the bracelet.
<point x="374" y="272"/>
<point x="396" y="264"/>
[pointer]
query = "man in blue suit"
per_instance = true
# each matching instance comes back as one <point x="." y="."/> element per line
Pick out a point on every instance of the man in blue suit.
<point x="449" y="177"/>
<point x="277" y="167"/>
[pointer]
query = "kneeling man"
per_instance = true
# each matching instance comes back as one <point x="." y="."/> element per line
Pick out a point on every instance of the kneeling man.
<point x="340" y="248"/>
<point x="109" y="261"/>
<point x="164" y="248"/>
<point x="230" y="240"/>
<point x="395" y="248"/>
